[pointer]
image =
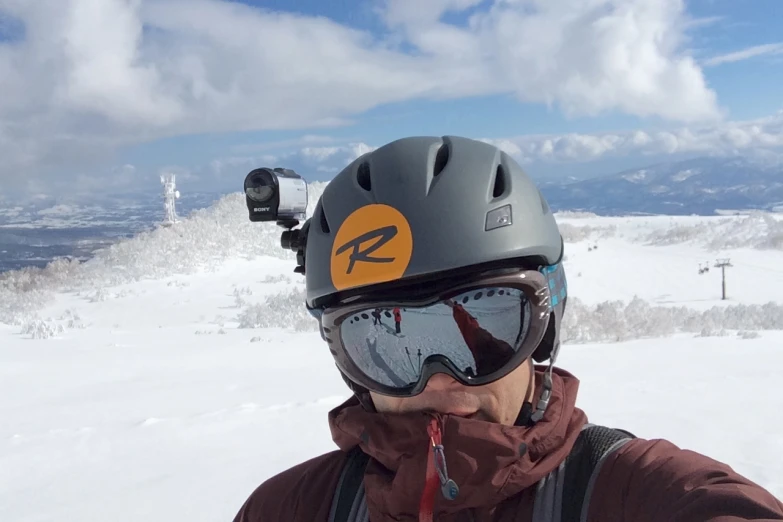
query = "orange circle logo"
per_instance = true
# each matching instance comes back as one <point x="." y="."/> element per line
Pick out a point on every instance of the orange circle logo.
<point x="374" y="245"/>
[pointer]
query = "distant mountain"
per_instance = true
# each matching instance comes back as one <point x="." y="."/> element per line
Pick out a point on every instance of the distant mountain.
<point x="696" y="186"/>
<point x="34" y="232"/>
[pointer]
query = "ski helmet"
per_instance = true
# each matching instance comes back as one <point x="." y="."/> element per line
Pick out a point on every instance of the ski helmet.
<point x="452" y="207"/>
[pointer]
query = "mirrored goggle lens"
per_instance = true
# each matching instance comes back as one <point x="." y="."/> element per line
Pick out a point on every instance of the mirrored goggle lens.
<point x="479" y="331"/>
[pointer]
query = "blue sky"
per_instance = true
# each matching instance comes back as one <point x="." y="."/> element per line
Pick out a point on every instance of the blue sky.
<point x="212" y="88"/>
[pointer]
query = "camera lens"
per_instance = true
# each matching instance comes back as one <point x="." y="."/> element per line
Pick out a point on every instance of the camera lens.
<point x="260" y="186"/>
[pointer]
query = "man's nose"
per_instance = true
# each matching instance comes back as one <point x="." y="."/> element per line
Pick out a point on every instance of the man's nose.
<point x="440" y="382"/>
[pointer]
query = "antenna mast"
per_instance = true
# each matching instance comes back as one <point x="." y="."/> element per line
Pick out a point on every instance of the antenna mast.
<point x="170" y="197"/>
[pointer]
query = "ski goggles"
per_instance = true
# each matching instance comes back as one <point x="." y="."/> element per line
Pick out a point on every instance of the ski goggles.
<point x="476" y="332"/>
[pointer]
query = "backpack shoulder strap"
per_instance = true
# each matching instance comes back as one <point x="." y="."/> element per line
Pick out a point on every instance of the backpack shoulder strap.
<point x="564" y="494"/>
<point x="348" y="503"/>
<point x="582" y="466"/>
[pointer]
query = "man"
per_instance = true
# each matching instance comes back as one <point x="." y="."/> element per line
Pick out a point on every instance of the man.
<point x="421" y="222"/>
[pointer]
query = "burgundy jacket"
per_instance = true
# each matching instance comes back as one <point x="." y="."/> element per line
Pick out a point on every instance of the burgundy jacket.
<point x="497" y="468"/>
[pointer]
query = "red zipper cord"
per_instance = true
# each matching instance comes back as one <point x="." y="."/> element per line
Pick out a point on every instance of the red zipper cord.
<point x="432" y="480"/>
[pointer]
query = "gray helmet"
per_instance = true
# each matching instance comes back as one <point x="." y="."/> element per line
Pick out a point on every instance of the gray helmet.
<point x="424" y="211"/>
<point x="419" y="208"/>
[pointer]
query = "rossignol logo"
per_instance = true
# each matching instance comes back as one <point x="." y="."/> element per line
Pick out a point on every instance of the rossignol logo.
<point x="383" y="236"/>
<point x="373" y="245"/>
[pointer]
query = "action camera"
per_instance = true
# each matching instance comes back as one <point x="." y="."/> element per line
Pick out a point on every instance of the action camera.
<point x="280" y="195"/>
<point x="276" y="194"/>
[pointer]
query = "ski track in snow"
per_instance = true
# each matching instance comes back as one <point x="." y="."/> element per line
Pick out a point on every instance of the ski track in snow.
<point x="211" y="416"/>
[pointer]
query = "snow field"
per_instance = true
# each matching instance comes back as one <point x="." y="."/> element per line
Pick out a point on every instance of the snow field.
<point x="133" y="388"/>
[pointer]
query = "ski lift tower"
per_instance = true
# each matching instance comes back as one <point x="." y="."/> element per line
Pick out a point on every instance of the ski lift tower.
<point x="723" y="264"/>
<point x="170" y="197"/>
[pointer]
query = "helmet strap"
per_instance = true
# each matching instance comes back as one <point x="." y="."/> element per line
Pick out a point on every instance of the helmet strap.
<point x="546" y="392"/>
<point x="526" y="413"/>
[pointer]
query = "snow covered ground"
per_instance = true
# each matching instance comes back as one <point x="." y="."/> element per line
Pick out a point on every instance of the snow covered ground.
<point x="148" y="384"/>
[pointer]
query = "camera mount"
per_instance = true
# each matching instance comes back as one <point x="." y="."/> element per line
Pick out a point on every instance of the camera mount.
<point x="296" y="241"/>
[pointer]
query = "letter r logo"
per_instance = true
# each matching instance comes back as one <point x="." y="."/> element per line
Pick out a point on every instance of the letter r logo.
<point x="373" y="245"/>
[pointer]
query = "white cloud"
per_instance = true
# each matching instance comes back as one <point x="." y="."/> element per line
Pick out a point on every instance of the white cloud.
<point x="505" y="145"/>
<point x="307" y="139"/>
<point x="329" y="160"/>
<point x="762" y="138"/>
<point x="588" y="56"/>
<point x="312" y="162"/>
<point x="745" y="54"/>
<point x="93" y="75"/>
<point x="111" y="180"/>
<point x="753" y="137"/>
<point x="107" y="74"/>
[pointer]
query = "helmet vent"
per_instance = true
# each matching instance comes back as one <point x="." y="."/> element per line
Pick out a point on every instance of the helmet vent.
<point x="363" y="177"/>
<point x="500" y="182"/>
<point x="544" y="204"/>
<point x="322" y="220"/>
<point x="441" y="159"/>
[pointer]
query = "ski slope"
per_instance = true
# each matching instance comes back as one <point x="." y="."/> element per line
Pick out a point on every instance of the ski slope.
<point x="624" y="265"/>
<point x="148" y="383"/>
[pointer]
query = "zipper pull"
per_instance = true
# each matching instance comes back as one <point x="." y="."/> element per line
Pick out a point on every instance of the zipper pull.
<point x="448" y="487"/>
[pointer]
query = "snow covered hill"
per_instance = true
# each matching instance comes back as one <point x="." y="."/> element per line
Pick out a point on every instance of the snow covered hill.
<point x="696" y="186"/>
<point x="152" y="383"/>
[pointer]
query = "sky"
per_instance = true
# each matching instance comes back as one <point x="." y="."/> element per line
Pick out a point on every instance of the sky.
<point x="108" y="94"/>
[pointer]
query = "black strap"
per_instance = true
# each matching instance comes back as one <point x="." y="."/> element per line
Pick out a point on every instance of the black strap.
<point x="350" y="481"/>
<point x="590" y="449"/>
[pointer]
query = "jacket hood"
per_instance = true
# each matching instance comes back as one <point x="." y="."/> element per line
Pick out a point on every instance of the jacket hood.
<point x="490" y="462"/>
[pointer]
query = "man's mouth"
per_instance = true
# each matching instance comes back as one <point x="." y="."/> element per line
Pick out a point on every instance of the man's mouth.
<point x="467" y="414"/>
